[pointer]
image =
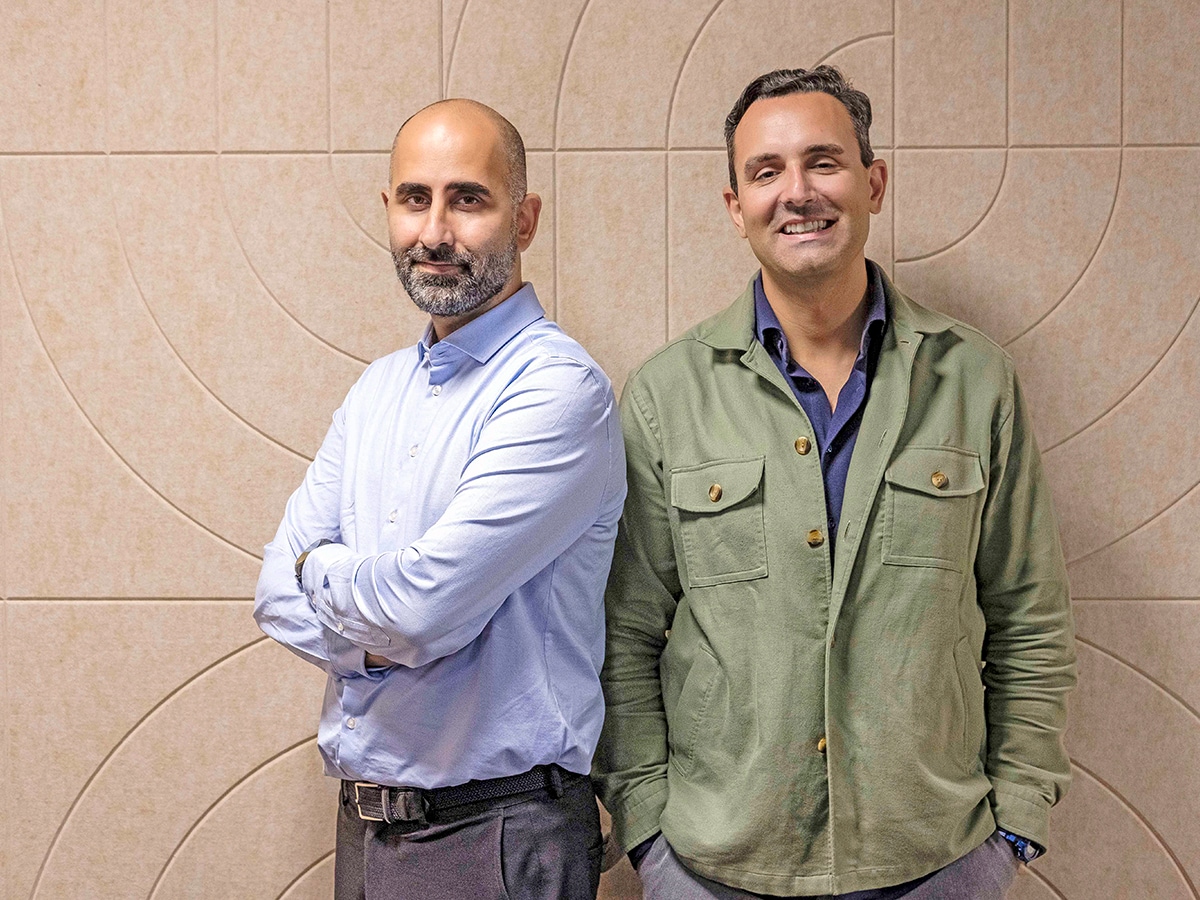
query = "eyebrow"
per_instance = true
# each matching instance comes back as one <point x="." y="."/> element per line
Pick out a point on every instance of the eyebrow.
<point x="814" y="149"/>
<point x="469" y="187"/>
<point x="405" y="188"/>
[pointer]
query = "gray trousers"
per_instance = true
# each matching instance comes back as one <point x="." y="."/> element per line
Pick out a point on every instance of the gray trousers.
<point x="530" y="846"/>
<point x="986" y="873"/>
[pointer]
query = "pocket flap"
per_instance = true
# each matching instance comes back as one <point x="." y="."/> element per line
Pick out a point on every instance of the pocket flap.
<point x="712" y="487"/>
<point x="937" y="471"/>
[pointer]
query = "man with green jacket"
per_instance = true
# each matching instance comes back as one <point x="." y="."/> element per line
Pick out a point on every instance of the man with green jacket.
<point x="839" y="632"/>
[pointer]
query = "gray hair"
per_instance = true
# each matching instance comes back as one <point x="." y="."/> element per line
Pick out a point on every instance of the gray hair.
<point x="822" y="79"/>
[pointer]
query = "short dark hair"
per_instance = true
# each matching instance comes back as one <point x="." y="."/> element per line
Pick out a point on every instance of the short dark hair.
<point x="822" y="79"/>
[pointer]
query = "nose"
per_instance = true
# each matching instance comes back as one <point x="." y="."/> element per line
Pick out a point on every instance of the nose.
<point x="797" y="186"/>
<point x="435" y="229"/>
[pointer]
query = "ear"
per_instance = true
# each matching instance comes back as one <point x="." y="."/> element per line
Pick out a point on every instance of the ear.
<point x="384" y="195"/>
<point x="733" y="206"/>
<point x="877" y="176"/>
<point x="528" y="213"/>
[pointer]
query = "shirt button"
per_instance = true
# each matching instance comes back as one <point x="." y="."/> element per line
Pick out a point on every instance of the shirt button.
<point x="392" y="515"/>
<point x="340" y="627"/>
<point x="714" y="493"/>
<point x="821" y="744"/>
<point x="351" y="722"/>
<point x="815" y="538"/>
<point x="412" y="451"/>
<point x="437" y="389"/>
<point x="803" y="445"/>
<point x="940" y="481"/>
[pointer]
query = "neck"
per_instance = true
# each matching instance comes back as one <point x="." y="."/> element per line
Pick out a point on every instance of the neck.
<point x="822" y="320"/>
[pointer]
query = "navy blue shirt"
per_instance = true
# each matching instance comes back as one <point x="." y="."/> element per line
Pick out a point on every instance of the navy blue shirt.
<point x="835" y="431"/>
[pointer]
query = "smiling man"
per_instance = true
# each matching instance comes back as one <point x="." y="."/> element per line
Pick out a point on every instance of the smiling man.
<point x="839" y="633"/>
<point x="444" y="559"/>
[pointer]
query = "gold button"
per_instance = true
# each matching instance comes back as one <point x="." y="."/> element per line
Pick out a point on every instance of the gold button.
<point x="714" y="493"/>
<point x="803" y="445"/>
<point x="821" y="744"/>
<point x="940" y="481"/>
<point x="815" y="538"/>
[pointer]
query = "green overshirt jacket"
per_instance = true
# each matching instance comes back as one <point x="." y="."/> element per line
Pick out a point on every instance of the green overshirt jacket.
<point x="801" y="724"/>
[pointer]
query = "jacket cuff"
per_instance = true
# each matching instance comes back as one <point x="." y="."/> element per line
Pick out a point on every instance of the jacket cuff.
<point x="1021" y="810"/>
<point x="636" y="818"/>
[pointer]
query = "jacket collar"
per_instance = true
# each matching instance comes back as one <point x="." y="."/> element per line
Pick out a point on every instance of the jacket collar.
<point x="733" y="328"/>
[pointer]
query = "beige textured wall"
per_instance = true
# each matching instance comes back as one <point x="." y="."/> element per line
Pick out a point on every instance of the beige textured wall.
<point x="193" y="270"/>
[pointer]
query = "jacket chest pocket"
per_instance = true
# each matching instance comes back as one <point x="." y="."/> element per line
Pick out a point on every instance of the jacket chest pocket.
<point x="719" y="506"/>
<point x="932" y="499"/>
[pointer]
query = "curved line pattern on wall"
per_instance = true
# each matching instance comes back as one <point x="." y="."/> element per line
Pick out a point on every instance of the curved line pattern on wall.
<point x="1158" y="685"/>
<point x="1139" y="527"/>
<point x="562" y="78"/>
<point x="1049" y="885"/>
<point x="966" y="234"/>
<point x="258" y="277"/>
<point x="1144" y="821"/>
<point x="125" y="739"/>
<point x="462" y="14"/>
<point x="1125" y="396"/>
<point x="167" y="340"/>
<point x="349" y="215"/>
<point x="845" y="45"/>
<point x="683" y="65"/>
<point x="304" y="874"/>
<point x="182" y="842"/>
<point x="1100" y="243"/>
<point x="87" y="418"/>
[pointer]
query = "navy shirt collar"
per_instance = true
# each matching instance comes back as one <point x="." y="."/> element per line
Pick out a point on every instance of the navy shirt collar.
<point x="770" y="332"/>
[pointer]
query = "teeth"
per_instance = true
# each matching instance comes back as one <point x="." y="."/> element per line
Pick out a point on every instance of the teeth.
<point x="806" y="227"/>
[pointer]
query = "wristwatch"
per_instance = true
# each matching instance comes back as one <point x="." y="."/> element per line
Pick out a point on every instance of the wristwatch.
<point x="303" y="556"/>
<point x="1026" y="850"/>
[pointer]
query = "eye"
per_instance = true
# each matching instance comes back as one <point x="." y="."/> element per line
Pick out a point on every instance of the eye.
<point x="763" y="174"/>
<point x="416" y="201"/>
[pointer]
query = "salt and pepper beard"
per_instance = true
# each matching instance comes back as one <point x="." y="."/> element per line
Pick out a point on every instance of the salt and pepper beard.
<point x="483" y="274"/>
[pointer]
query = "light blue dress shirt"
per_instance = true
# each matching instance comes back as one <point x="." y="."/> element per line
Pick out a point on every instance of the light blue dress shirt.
<point x="472" y="488"/>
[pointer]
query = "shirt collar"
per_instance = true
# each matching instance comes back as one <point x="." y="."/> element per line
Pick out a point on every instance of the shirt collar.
<point x="485" y="334"/>
<point x="770" y="332"/>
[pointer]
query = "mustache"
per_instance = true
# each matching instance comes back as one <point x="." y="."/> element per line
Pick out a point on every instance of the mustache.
<point x="812" y="210"/>
<point x="442" y="253"/>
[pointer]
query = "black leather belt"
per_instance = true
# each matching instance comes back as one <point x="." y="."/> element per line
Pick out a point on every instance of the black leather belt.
<point x="380" y="803"/>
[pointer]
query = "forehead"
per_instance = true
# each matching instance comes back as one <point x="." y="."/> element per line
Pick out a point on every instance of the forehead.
<point x="436" y="151"/>
<point x="792" y="122"/>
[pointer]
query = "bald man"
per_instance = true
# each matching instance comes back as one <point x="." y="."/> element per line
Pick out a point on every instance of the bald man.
<point x="444" y="559"/>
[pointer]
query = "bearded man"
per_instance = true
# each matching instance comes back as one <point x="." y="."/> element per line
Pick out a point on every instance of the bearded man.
<point x="444" y="559"/>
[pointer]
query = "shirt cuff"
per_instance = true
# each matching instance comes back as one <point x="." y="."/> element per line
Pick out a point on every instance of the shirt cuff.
<point x="328" y="580"/>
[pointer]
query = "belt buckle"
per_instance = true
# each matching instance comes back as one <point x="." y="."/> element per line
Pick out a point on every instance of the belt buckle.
<point x="358" y="785"/>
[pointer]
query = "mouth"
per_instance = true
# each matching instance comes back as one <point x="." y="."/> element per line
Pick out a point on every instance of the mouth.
<point x="812" y="226"/>
<point x="438" y="268"/>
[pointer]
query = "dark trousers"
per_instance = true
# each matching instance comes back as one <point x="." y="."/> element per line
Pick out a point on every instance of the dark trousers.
<point x="530" y="846"/>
